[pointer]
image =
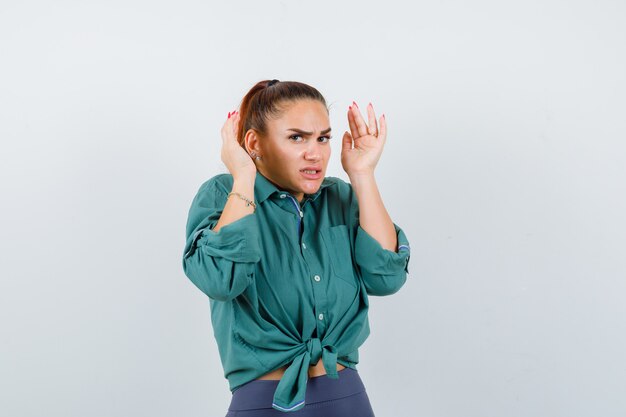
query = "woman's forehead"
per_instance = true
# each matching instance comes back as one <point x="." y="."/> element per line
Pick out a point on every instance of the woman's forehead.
<point x="309" y="115"/>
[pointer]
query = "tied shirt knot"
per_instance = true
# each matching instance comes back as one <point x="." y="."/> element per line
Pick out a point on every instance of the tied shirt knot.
<point x="291" y="390"/>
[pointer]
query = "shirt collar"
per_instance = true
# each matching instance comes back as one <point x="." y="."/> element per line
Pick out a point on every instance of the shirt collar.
<point x="263" y="188"/>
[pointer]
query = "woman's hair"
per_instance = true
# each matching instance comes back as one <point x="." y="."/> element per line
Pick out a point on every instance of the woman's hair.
<point x="268" y="99"/>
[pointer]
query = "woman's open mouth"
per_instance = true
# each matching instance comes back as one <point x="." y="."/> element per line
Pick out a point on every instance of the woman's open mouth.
<point x="311" y="174"/>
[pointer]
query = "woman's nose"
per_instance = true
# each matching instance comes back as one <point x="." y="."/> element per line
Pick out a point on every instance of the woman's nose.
<point x="313" y="151"/>
<point x="312" y="155"/>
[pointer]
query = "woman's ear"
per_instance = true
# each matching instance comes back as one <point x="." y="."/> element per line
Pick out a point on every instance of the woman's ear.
<point x="251" y="141"/>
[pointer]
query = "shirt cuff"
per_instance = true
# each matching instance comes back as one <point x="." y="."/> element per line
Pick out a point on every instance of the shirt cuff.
<point x="237" y="241"/>
<point x="373" y="258"/>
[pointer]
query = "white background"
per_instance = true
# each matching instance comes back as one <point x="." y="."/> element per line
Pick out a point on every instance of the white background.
<point x="504" y="164"/>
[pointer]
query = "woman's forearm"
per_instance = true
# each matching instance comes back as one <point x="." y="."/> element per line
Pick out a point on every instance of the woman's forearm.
<point x="373" y="216"/>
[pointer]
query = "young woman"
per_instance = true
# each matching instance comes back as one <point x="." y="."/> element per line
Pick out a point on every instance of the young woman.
<point x="288" y="256"/>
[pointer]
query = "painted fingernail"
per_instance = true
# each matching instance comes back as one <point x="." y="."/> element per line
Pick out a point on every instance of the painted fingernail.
<point x="350" y="107"/>
<point x="229" y="115"/>
<point x="355" y="105"/>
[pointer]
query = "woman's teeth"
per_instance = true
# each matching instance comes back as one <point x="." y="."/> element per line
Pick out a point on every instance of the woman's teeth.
<point x="309" y="172"/>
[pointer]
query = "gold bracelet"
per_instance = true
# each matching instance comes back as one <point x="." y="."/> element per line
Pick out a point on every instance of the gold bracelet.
<point x="248" y="201"/>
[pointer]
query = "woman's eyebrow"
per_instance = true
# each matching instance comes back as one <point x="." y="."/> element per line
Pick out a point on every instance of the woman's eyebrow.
<point x="304" y="132"/>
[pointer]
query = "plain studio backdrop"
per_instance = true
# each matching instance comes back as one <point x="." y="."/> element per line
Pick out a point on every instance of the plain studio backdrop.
<point x="504" y="164"/>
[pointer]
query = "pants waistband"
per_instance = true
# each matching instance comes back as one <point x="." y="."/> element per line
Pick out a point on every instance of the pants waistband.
<point x="260" y="392"/>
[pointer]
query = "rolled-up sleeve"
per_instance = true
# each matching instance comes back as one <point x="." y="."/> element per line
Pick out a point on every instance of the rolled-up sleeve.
<point x="383" y="271"/>
<point x="221" y="264"/>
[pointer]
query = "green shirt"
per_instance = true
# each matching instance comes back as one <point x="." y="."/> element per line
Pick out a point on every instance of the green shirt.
<point x="288" y="283"/>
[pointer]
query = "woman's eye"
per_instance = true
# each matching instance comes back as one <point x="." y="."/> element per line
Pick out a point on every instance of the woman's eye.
<point x="298" y="136"/>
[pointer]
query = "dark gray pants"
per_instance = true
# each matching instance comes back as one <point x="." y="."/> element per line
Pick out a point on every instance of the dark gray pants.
<point x="325" y="397"/>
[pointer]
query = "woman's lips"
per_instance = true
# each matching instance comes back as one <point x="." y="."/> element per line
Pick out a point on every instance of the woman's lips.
<point x="315" y="176"/>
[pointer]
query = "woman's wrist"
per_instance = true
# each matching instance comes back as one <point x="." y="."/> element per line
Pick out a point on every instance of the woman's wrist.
<point x="244" y="179"/>
<point x="244" y="186"/>
<point x="360" y="181"/>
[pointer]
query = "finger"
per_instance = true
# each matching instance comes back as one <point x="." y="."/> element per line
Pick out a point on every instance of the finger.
<point x="372" y="127"/>
<point x="235" y="125"/>
<point x="353" y="129"/>
<point x="383" y="128"/>
<point x="228" y="129"/>
<point x="358" y="119"/>
<point x="346" y="142"/>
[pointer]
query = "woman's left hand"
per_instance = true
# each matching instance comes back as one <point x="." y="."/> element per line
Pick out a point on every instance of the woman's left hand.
<point x="368" y="142"/>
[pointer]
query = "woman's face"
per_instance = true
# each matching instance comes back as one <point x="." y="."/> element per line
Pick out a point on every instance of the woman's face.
<point x="298" y="140"/>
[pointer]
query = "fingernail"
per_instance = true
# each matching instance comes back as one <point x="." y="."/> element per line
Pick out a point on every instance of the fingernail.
<point x="350" y="107"/>
<point x="371" y="104"/>
<point x="229" y="115"/>
<point x="355" y="105"/>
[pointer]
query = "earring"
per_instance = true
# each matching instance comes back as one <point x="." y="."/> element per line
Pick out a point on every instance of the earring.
<point x="255" y="156"/>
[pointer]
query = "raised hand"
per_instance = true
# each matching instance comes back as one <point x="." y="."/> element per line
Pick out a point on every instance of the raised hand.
<point x="234" y="156"/>
<point x="368" y="142"/>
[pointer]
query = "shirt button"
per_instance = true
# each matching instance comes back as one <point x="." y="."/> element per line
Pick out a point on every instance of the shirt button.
<point x="316" y="277"/>
<point x="303" y="245"/>
<point x="321" y="316"/>
<point x="283" y="196"/>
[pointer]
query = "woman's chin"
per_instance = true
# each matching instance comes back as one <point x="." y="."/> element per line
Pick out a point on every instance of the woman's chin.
<point x="311" y="186"/>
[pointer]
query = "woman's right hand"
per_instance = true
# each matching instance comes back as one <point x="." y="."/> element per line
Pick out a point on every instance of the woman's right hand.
<point x="234" y="156"/>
